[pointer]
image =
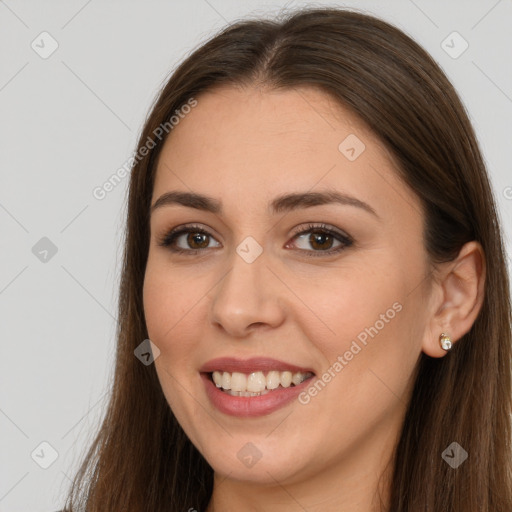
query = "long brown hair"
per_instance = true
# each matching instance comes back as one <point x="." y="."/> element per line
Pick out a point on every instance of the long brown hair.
<point x="141" y="460"/>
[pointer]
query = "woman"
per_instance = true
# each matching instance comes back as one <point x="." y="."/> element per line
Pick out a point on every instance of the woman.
<point x="312" y="248"/>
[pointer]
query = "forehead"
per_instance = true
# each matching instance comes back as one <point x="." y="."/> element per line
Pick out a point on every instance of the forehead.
<point x="251" y="144"/>
<point x="243" y="120"/>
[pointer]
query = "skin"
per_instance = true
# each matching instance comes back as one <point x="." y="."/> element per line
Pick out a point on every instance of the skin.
<point x="245" y="146"/>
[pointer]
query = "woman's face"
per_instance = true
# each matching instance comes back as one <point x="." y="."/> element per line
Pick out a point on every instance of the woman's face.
<point x="275" y="270"/>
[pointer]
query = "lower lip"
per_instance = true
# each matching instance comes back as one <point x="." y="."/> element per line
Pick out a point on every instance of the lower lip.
<point x="250" y="406"/>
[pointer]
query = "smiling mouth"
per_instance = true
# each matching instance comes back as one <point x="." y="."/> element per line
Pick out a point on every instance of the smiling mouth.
<point x="256" y="383"/>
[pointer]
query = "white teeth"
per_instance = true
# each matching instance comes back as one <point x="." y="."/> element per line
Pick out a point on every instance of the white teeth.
<point x="256" y="383"/>
<point x="226" y="380"/>
<point x="273" y="379"/>
<point x="297" y="379"/>
<point x="246" y="393"/>
<point x="217" y="378"/>
<point x="238" y="381"/>
<point x="286" y="379"/>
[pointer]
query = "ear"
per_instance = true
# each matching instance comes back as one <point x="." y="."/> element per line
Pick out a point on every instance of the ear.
<point x="456" y="299"/>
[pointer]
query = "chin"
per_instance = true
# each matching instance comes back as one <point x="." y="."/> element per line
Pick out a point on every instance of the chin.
<point x="257" y="461"/>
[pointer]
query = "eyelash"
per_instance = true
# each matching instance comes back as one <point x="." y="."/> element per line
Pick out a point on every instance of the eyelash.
<point x="169" y="238"/>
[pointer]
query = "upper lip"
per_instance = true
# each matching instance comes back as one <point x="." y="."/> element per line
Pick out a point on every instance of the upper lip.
<point x="254" y="364"/>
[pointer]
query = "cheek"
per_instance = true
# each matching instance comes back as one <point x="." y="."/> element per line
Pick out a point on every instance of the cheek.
<point x="157" y="307"/>
<point x="164" y="312"/>
<point x="174" y="308"/>
<point x="168" y="303"/>
<point x="348" y="304"/>
<point x="367" y="372"/>
<point x="367" y="327"/>
<point x="168" y="311"/>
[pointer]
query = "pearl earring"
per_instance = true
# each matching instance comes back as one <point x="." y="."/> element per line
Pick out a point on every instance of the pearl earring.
<point x="445" y="341"/>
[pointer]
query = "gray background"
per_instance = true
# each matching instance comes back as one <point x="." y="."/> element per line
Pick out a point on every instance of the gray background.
<point x="69" y="121"/>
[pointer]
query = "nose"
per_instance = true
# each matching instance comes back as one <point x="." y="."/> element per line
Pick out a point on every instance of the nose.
<point x="247" y="298"/>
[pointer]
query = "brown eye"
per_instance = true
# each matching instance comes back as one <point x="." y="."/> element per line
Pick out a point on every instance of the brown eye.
<point x="187" y="240"/>
<point x="197" y="240"/>
<point x="320" y="240"/>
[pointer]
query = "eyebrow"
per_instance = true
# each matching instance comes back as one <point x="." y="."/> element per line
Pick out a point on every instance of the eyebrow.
<point x="286" y="202"/>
